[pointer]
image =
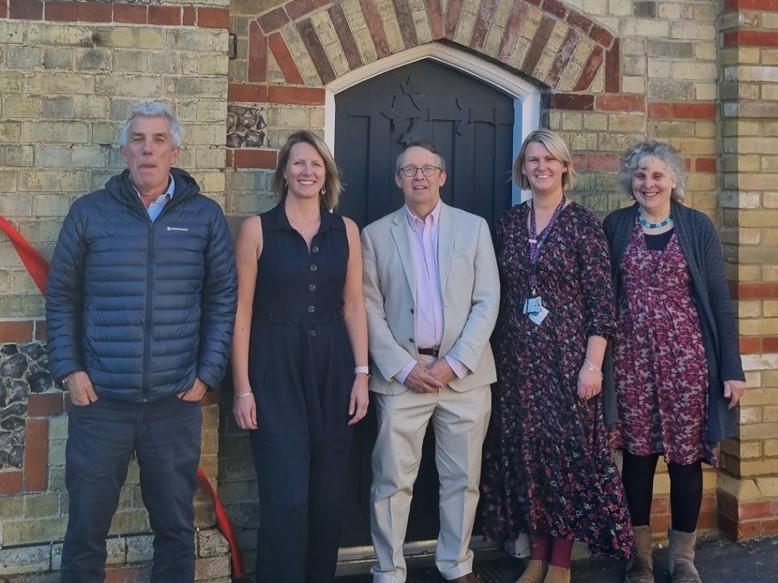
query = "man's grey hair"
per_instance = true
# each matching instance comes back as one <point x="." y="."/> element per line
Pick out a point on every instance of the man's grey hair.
<point x="152" y="109"/>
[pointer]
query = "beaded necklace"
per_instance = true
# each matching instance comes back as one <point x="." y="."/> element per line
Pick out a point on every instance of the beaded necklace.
<point x="648" y="225"/>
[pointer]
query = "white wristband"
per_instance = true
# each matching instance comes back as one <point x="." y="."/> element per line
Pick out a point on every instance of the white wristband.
<point x="362" y="370"/>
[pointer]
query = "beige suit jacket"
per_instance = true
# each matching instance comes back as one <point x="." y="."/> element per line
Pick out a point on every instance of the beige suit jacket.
<point x="471" y="296"/>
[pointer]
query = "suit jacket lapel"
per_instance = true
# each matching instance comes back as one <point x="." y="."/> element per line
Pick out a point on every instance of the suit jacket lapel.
<point x="446" y="234"/>
<point x="400" y="234"/>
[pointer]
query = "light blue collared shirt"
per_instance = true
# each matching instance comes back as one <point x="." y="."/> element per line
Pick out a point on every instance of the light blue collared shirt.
<point x="155" y="208"/>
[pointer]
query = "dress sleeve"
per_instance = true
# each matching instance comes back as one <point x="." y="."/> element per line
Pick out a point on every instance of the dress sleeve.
<point x="595" y="277"/>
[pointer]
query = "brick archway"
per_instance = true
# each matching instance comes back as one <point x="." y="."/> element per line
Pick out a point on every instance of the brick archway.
<point x="544" y="40"/>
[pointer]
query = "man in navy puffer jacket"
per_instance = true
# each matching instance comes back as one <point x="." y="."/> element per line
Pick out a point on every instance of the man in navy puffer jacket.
<point x="140" y="310"/>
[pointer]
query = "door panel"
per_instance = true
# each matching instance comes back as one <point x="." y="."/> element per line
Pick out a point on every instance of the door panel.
<point x="473" y="125"/>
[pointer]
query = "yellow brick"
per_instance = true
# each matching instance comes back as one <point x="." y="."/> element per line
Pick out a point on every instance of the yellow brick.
<point x="750" y="449"/>
<point x="758" y="431"/>
<point x="757" y="467"/>
<point x="750" y="415"/>
<point x="770" y="273"/>
<point x="760" y="218"/>
<point x="771" y="448"/>
<point x="749" y="308"/>
<point x="54" y="82"/>
<point x="770" y="415"/>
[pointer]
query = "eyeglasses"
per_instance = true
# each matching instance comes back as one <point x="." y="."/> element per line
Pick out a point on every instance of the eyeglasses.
<point x="410" y="171"/>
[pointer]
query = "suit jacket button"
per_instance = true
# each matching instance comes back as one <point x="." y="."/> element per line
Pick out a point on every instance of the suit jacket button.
<point x="412" y="311"/>
<point x="411" y="340"/>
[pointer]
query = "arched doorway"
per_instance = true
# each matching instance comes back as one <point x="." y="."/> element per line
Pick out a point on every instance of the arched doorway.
<point x="478" y="126"/>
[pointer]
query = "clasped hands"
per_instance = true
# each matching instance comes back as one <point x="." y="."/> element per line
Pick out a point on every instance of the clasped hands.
<point x="430" y="378"/>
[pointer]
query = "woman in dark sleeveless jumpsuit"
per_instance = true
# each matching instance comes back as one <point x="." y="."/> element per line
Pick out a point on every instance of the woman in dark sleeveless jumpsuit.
<point x="299" y="362"/>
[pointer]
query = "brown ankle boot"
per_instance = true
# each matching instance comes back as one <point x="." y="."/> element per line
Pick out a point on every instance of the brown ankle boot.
<point x="641" y="567"/>
<point x="557" y="575"/>
<point x="534" y="572"/>
<point x="682" y="569"/>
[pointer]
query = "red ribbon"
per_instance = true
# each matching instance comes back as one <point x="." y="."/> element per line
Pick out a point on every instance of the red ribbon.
<point x="38" y="268"/>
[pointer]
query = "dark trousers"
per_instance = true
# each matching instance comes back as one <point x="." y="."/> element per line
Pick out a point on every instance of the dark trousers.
<point x="301" y="481"/>
<point x="165" y="436"/>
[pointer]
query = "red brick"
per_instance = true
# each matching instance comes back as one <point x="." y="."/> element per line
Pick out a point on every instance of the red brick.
<point x="707" y="520"/>
<point x="694" y="111"/>
<point x="46" y="404"/>
<point x="342" y="29"/>
<point x="273" y="20"/>
<point x="572" y="101"/>
<point x="589" y="71"/>
<point x="555" y="7"/>
<point x="613" y="68"/>
<point x="229" y="158"/>
<point x="164" y="15"/>
<point x="604" y="162"/>
<point x="299" y="8"/>
<point x="16" y="331"/>
<point x="763" y="5"/>
<point x="435" y="18"/>
<point x="10" y="482"/>
<point x="511" y="32"/>
<point x="213" y="17"/>
<point x="659" y="110"/>
<point x="128" y="574"/>
<point x="770" y="344"/>
<point x="239" y="93"/>
<point x="769" y="527"/>
<point x="94" y="12"/>
<point x="660" y="522"/>
<point x="563" y="56"/>
<point x="750" y="345"/>
<point x="750" y="38"/>
<point x="36" y="455"/>
<point x="539" y="42"/>
<point x="284" y="58"/>
<point x="130" y="13"/>
<point x="748" y="529"/>
<point x="406" y="24"/>
<point x="189" y="16"/>
<point x="41" y="331"/>
<point x="660" y="505"/>
<point x="376" y="28"/>
<point x="579" y="21"/>
<point x="312" y="42"/>
<point x="602" y="36"/>
<point x="296" y="95"/>
<point x="257" y="53"/>
<point x="3" y="8"/>
<point x="453" y="13"/>
<point x="579" y="162"/>
<point x="756" y="291"/>
<point x="705" y="165"/>
<point x="482" y="23"/>
<point x="61" y="12"/>
<point x="620" y="103"/>
<point x="751" y="510"/>
<point x="256" y="158"/>
<point x="26" y="9"/>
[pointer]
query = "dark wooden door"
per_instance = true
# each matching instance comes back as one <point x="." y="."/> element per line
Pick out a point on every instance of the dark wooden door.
<point x="472" y="124"/>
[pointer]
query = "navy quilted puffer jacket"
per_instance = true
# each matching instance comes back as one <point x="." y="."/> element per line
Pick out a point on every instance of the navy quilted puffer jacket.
<point x="142" y="307"/>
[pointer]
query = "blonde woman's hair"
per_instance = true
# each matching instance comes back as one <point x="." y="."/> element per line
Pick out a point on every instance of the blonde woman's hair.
<point x="330" y="195"/>
<point x="554" y="143"/>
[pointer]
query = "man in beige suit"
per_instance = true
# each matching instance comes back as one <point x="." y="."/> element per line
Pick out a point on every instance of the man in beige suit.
<point x="432" y="294"/>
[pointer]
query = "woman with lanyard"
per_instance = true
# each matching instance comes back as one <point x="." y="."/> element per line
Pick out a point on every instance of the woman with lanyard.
<point x="548" y="469"/>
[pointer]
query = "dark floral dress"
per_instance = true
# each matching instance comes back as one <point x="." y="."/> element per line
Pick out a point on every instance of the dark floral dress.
<point x="659" y="365"/>
<point x="547" y="462"/>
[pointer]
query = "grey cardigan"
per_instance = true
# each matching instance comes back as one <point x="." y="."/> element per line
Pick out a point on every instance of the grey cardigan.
<point x="702" y="250"/>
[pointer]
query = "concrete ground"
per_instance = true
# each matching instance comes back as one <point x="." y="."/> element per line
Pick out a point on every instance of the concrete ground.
<point x="719" y="560"/>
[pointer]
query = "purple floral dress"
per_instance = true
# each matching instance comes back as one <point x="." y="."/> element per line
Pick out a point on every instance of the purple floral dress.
<point x="547" y="461"/>
<point x="659" y="364"/>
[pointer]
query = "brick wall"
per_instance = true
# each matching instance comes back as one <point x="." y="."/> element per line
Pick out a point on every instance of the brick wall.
<point x="69" y="73"/>
<point x="748" y="488"/>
